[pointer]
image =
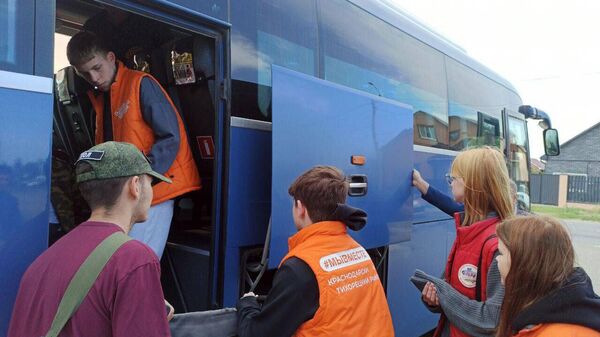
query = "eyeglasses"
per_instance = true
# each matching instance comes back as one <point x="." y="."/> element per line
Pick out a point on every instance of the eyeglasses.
<point x="450" y="178"/>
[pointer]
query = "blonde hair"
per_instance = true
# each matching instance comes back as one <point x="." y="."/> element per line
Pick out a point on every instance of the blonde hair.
<point x="487" y="185"/>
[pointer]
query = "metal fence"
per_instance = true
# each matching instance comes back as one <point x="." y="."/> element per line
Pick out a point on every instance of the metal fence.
<point x="583" y="189"/>
<point x="544" y="189"/>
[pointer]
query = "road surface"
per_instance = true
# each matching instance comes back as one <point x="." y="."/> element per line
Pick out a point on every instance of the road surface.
<point x="586" y="239"/>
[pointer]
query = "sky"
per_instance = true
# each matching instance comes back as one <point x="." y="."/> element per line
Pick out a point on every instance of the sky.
<point x="548" y="49"/>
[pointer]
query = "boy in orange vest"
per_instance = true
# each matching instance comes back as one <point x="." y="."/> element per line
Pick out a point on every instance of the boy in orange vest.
<point x="132" y="107"/>
<point x="327" y="284"/>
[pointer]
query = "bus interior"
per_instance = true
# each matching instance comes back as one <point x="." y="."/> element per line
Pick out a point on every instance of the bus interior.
<point x="184" y="63"/>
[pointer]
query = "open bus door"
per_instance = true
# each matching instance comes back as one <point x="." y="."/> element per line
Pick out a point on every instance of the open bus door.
<point x="25" y="133"/>
<point x="191" y="264"/>
<point x="316" y="122"/>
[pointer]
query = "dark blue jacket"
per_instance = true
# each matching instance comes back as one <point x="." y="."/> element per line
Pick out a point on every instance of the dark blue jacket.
<point x="443" y="201"/>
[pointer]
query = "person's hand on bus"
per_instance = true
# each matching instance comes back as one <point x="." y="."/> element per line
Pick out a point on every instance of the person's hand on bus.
<point x="170" y="310"/>
<point x="421" y="184"/>
<point x="430" y="295"/>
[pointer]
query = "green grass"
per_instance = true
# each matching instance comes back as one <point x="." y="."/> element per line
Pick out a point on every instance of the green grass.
<point x="567" y="212"/>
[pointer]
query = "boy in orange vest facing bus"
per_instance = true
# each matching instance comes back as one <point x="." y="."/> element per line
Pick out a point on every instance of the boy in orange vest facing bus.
<point x="327" y="284"/>
<point x="132" y="107"/>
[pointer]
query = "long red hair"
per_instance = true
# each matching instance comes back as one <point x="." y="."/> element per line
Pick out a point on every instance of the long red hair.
<point x="542" y="257"/>
<point x="487" y="185"/>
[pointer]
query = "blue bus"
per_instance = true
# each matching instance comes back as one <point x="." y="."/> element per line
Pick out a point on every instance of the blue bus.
<point x="267" y="89"/>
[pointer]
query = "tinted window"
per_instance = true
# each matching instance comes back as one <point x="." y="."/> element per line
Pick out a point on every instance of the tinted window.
<point x="214" y="8"/>
<point x="365" y="53"/>
<point x="475" y="107"/>
<point x="16" y="35"/>
<point x="269" y="32"/>
<point x="517" y="158"/>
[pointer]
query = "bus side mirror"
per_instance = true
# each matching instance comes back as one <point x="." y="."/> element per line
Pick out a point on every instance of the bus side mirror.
<point x="551" y="145"/>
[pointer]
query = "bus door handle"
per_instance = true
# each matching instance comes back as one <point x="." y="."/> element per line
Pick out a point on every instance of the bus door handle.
<point x="358" y="185"/>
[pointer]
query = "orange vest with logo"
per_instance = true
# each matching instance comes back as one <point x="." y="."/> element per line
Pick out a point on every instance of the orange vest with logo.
<point x="129" y="126"/>
<point x="351" y="298"/>
<point x="558" y="330"/>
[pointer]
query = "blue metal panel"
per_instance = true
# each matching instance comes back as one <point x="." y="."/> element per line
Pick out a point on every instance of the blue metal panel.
<point x="318" y="122"/>
<point x="45" y="14"/>
<point x="25" y="134"/>
<point x="16" y="32"/>
<point x="427" y="250"/>
<point x="249" y="200"/>
<point x="433" y="168"/>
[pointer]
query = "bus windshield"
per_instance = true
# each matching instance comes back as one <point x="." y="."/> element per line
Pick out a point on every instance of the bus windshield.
<point x="517" y="160"/>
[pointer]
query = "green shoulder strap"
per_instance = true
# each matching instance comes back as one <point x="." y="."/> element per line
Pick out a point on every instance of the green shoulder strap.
<point x="84" y="279"/>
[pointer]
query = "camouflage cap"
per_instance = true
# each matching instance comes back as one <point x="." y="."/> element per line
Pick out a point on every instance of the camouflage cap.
<point x="115" y="160"/>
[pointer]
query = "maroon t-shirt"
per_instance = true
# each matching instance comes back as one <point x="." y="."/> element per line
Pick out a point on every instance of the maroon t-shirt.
<point x="126" y="300"/>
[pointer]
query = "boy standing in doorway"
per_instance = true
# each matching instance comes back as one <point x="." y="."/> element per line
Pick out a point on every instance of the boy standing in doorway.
<point x="132" y="107"/>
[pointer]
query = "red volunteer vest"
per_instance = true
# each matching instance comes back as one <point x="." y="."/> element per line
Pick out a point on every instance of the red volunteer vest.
<point x="129" y="126"/>
<point x="351" y="298"/>
<point x="474" y="245"/>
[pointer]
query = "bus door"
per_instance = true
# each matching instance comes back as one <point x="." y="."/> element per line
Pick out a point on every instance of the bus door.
<point x="189" y="59"/>
<point x="316" y="122"/>
<point x="517" y="154"/>
<point x="25" y="133"/>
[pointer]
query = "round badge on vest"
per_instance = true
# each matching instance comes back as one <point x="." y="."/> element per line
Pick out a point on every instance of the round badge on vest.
<point x="467" y="275"/>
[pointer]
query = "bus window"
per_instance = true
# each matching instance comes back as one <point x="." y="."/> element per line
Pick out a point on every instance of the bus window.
<point x="265" y="33"/>
<point x="214" y="8"/>
<point x="60" y="51"/>
<point x="476" y="103"/>
<point x="517" y="157"/>
<point x="16" y="30"/>
<point x="281" y="52"/>
<point x="488" y="129"/>
<point x="373" y="56"/>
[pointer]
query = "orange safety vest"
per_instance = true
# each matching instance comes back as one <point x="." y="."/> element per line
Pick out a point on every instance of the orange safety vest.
<point x="129" y="126"/>
<point x="351" y="298"/>
<point x="558" y="330"/>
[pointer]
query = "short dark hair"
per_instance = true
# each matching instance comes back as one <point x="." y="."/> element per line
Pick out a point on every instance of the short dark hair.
<point x="100" y="193"/>
<point x="83" y="46"/>
<point x="320" y="189"/>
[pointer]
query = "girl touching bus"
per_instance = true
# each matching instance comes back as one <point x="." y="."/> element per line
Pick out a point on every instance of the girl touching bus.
<point x="470" y="294"/>
<point x="545" y="294"/>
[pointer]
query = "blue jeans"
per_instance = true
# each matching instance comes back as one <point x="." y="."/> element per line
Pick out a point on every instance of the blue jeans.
<point x="155" y="230"/>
